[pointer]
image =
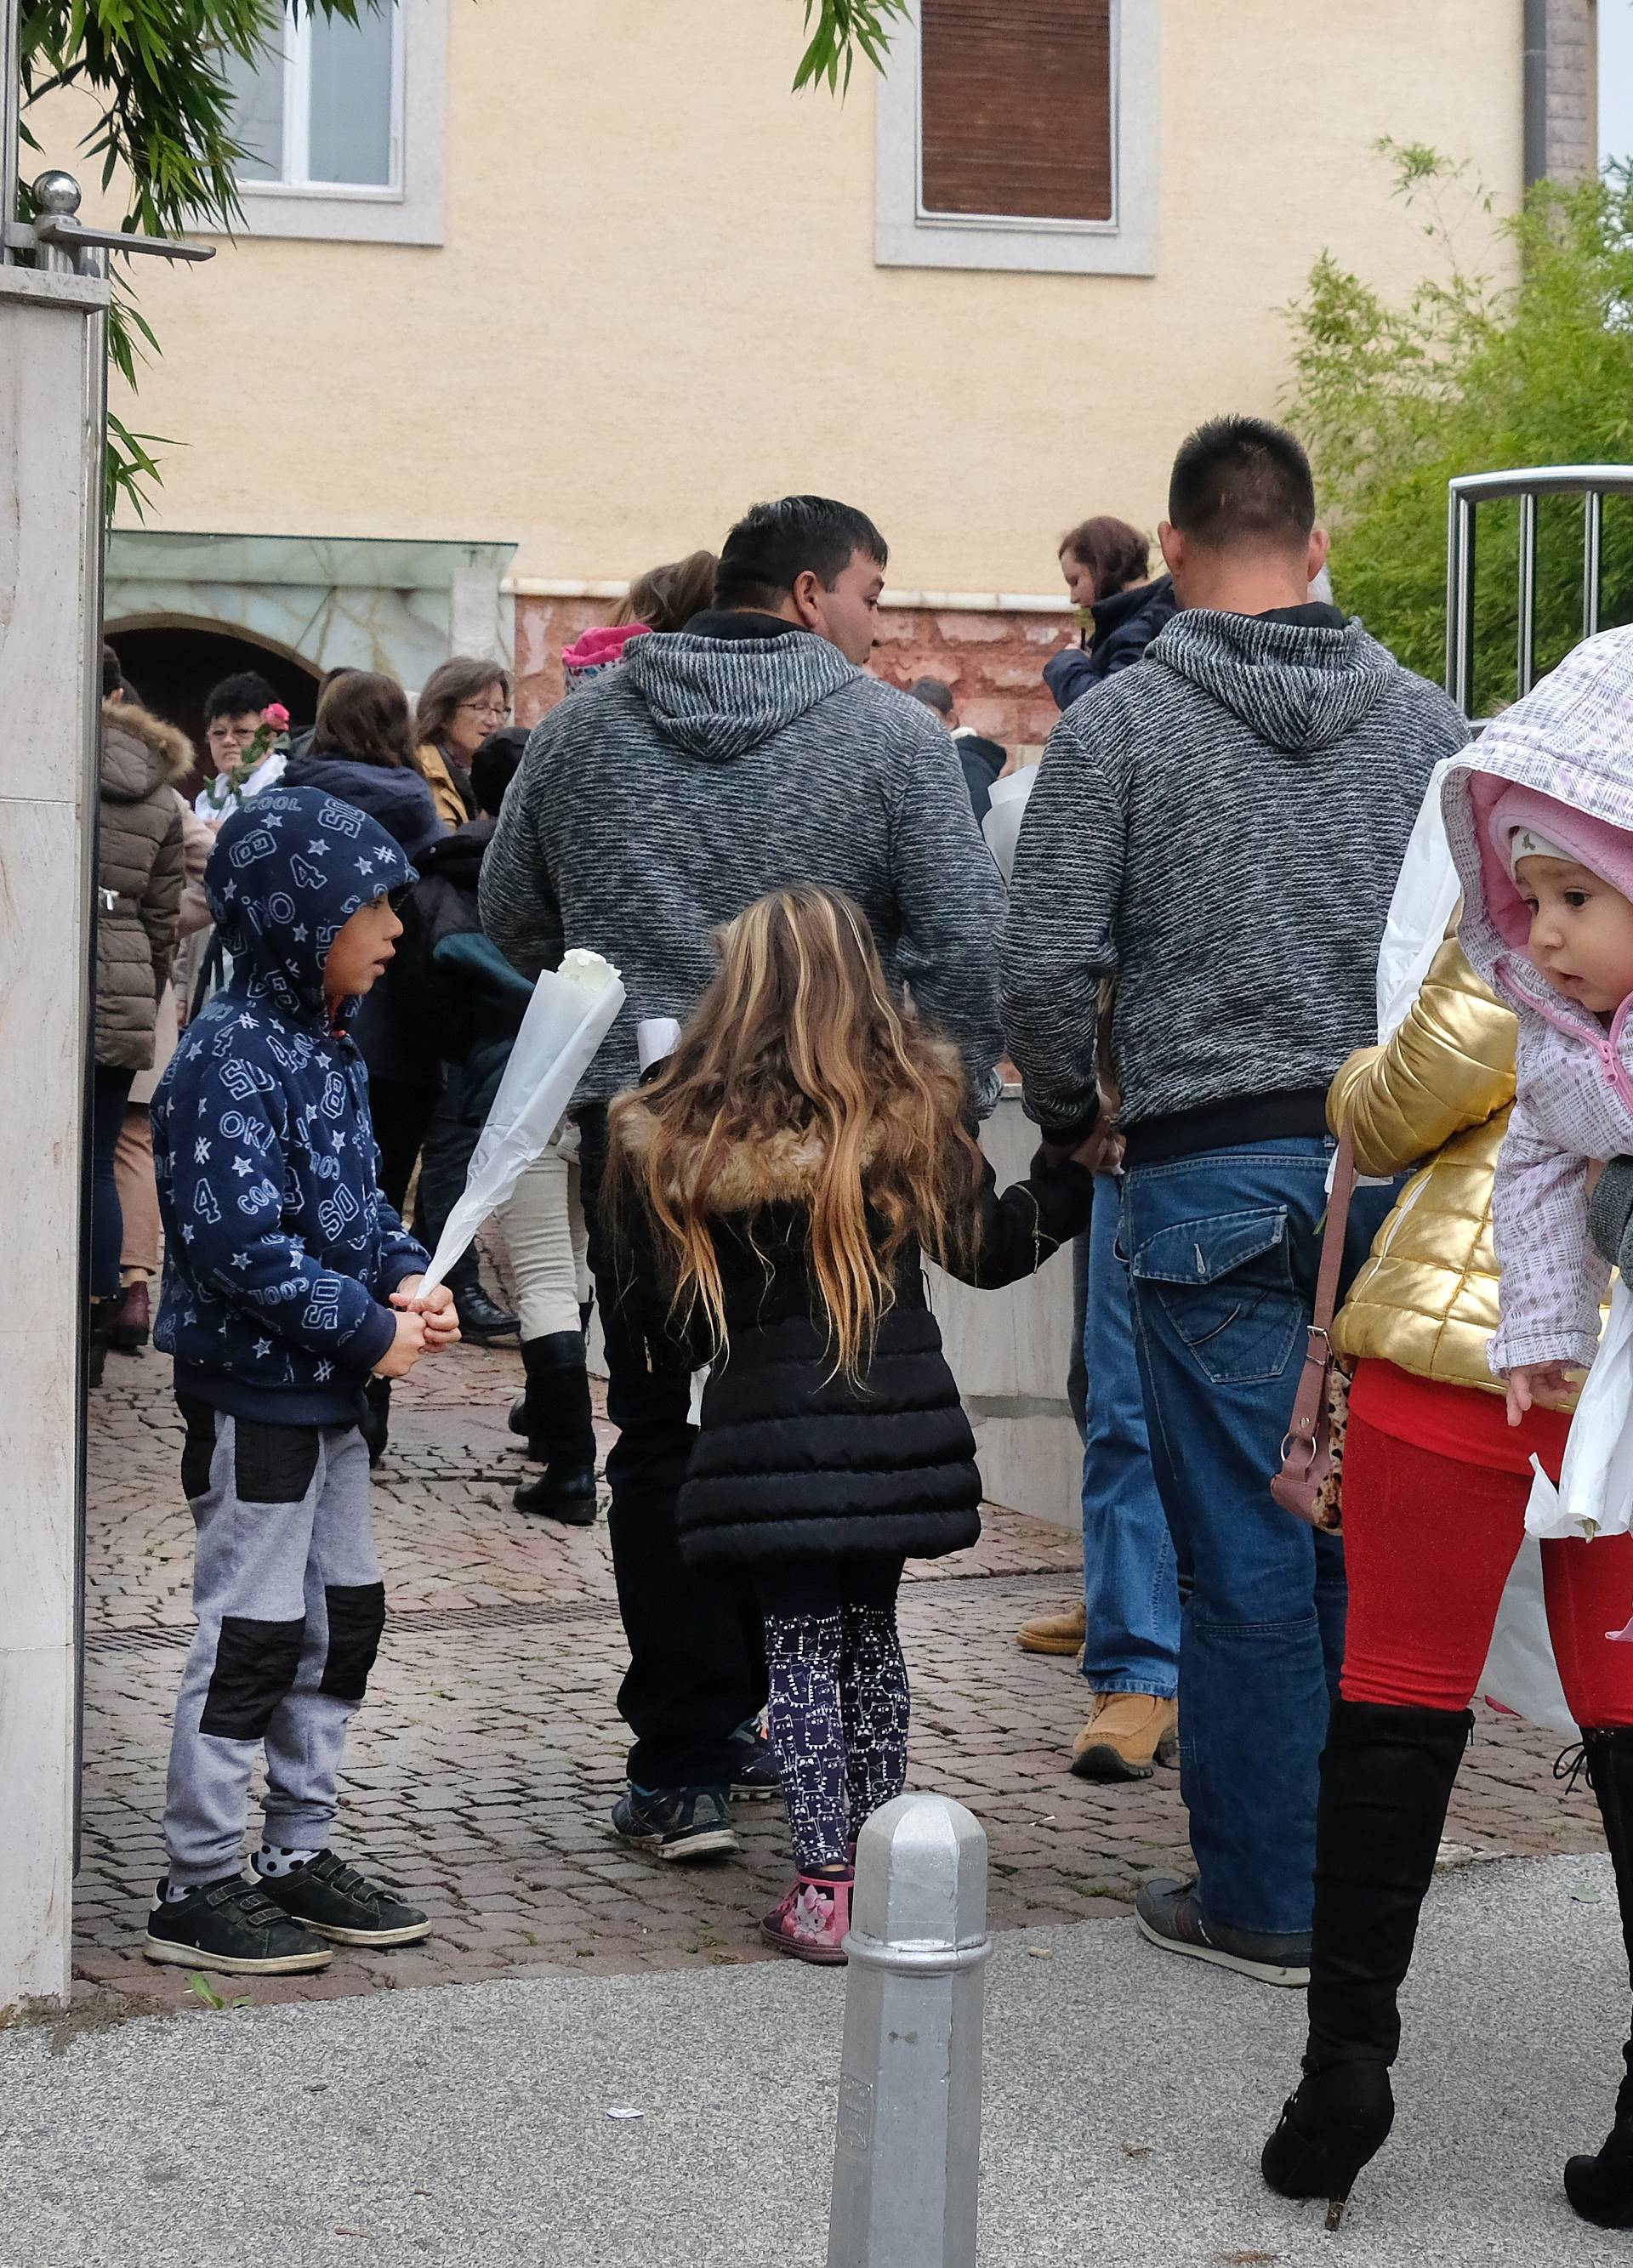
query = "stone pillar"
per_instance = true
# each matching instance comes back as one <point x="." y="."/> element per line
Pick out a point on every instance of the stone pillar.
<point x="1572" y="90"/>
<point x="51" y="356"/>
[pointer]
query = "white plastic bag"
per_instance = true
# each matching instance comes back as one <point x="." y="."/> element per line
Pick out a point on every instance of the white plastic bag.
<point x="1420" y="912"/>
<point x="1001" y="826"/>
<point x="1520" y="1675"/>
<point x="1595" y="1491"/>
<point x="571" y="1011"/>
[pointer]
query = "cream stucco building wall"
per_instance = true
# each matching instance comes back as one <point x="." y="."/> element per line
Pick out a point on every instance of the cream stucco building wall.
<point x="657" y="297"/>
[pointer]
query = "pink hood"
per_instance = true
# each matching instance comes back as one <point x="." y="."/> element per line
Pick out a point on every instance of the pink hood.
<point x="1570" y="741"/>
<point x="599" y="648"/>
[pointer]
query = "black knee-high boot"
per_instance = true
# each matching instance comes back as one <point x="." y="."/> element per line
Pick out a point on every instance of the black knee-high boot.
<point x="1601" y="2187"/>
<point x="554" y="1415"/>
<point x="1386" y="1778"/>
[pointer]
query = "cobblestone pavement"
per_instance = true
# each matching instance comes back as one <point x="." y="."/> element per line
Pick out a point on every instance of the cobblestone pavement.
<point x="482" y="1767"/>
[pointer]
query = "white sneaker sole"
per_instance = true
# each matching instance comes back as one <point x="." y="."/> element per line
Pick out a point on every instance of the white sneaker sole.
<point x="413" y="1935"/>
<point x="189" y="1956"/>
<point x="1262" y="1972"/>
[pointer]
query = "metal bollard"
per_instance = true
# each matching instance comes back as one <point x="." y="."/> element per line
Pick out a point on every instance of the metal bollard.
<point x="906" y="2162"/>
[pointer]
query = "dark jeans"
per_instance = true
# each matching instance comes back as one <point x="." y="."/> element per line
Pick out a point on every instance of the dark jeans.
<point x="444" y="1161"/>
<point x="1222" y="1250"/>
<point x="696" y="1649"/>
<point x="401" y="1114"/>
<point x="110" y="1091"/>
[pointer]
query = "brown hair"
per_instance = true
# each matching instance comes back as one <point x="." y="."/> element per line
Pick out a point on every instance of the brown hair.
<point x="364" y="715"/>
<point x="667" y="598"/>
<point x="799" y="1035"/>
<point x="1115" y="553"/>
<point x="449" y="685"/>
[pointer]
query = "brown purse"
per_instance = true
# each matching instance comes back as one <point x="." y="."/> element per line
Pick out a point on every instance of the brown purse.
<point x="1308" y="1485"/>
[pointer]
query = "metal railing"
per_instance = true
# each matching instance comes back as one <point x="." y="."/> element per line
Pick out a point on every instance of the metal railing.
<point x="1592" y="483"/>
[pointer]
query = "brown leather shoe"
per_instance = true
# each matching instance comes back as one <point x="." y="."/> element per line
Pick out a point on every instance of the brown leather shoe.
<point x="1059" y="1634"/>
<point x="132" y="1318"/>
<point x="1127" y="1735"/>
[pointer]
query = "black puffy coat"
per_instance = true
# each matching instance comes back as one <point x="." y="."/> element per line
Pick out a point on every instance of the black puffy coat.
<point x="1124" y="625"/>
<point x="794" y="1463"/>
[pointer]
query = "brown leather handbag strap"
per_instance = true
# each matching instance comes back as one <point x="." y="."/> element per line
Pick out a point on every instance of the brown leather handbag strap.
<point x="1311" y="1398"/>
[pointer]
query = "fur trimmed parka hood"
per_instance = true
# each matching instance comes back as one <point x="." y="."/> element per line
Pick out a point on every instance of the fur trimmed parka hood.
<point x="140" y="753"/>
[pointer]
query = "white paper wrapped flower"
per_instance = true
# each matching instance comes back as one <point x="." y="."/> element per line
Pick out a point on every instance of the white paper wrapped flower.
<point x="571" y="1011"/>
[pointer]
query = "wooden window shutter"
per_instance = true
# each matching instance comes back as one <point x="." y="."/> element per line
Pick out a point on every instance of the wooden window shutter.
<point x="1016" y="108"/>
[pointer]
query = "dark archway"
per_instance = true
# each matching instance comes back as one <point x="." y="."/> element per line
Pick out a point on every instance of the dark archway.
<point x="173" y="664"/>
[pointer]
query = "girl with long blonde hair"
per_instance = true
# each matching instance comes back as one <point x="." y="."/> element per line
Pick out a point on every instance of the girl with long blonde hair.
<point x="788" y="1170"/>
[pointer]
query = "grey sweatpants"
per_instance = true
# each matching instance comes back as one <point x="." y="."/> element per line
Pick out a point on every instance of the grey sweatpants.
<point x="289" y="1606"/>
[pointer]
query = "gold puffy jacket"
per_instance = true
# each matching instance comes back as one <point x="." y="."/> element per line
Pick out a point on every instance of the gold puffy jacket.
<point x="1441" y="1090"/>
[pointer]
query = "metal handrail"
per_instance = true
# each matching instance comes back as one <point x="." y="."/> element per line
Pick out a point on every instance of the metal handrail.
<point x="1592" y="483"/>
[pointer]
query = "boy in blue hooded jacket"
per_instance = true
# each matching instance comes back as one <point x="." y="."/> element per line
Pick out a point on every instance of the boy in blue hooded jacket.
<point x="289" y="1281"/>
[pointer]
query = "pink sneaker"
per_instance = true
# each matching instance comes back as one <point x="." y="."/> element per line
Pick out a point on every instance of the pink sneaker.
<point x="813" y="1919"/>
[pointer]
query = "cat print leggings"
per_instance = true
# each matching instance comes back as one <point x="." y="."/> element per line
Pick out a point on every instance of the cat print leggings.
<point x="838" y="1697"/>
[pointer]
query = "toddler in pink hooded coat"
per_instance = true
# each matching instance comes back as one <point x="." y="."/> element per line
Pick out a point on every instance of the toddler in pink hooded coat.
<point x="1540" y="818"/>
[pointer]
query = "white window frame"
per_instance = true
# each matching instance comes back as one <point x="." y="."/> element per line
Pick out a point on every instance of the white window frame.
<point x="906" y="236"/>
<point x="410" y="209"/>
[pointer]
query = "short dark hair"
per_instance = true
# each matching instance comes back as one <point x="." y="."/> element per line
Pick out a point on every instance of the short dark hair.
<point x="1115" y="553"/>
<point x="364" y="715"/>
<point x="934" y="694"/>
<point x="1243" y="481"/>
<point x="113" y="675"/>
<point x="245" y="694"/>
<point x="494" y="765"/>
<point x="774" y="544"/>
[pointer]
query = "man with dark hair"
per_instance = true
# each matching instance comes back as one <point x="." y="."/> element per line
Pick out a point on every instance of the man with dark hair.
<point x="980" y="759"/>
<point x="1218" y="832"/>
<point x="235" y="712"/>
<point x="745" y="753"/>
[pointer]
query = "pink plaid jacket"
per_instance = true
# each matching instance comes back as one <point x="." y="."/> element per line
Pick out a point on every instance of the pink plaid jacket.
<point x="1570" y="739"/>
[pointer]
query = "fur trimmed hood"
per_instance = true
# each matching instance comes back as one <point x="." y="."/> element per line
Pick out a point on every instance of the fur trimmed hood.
<point x="782" y="1170"/>
<point x="140" y="752"/>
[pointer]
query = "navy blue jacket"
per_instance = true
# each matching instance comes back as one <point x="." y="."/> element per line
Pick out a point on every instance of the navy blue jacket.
<point x="279" y="1249"/>
<point x="1125" y="623"/>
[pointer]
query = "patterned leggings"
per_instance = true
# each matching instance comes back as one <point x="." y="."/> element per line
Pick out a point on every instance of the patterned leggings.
<point x="839" y="1700"/>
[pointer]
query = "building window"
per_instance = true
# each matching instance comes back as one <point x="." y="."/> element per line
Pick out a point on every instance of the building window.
<point x="1021" y="133"/>
<point x="344" y="125"/>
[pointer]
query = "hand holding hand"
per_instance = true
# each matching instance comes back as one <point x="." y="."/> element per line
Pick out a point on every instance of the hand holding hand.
<point x="441" y="1317"/>
<point x="405" y="1349"/>
<point x="1538" y="1386"/>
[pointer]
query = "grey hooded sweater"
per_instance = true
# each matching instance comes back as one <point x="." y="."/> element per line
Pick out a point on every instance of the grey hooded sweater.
<point x="669" y="794"/>
<point x="1218" y="830"/>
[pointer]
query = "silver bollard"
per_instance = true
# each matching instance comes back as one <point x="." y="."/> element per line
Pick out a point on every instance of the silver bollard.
<point x="907" y="2159"/>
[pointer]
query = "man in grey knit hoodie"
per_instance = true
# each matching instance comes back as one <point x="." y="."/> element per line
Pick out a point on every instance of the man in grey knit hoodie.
<point x="1219" y="832"/>
<point x="747" y="751"/>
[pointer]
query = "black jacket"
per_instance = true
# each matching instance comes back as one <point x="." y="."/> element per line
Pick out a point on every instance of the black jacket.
<point x="980" y="761"/>
<point x="1124" y="626"/>
<point x="442" y="903"/>
<point x="792" y="1462"/>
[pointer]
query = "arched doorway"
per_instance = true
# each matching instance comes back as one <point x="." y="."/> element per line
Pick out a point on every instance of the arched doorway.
<point x="172" y="664"/>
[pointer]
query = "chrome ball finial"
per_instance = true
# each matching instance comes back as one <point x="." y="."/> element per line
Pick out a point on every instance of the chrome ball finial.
<point x="57" y="192"/>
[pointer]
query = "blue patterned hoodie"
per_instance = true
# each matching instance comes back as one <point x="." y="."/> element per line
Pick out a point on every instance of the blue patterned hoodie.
<point x="279" y="1249"/>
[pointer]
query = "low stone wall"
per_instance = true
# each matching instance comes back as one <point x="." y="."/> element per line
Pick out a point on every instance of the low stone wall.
<point x="993" y="661"/>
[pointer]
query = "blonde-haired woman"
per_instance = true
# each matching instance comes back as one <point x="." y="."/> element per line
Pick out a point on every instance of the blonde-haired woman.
<point x="783" y="1177"/>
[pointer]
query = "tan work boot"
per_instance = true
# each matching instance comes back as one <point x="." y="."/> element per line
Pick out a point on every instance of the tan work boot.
<point x="1061" y="1634"/>
<point x="1127" y="1735"/>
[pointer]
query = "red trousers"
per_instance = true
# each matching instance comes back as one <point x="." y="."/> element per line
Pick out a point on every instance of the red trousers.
<point x="1429" y="1541"/>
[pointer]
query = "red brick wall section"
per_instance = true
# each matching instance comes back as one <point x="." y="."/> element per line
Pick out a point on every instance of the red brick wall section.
<point x="994" y="662"/>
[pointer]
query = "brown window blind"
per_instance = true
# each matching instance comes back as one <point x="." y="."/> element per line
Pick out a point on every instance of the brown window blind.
<point x="1017" y="107"/>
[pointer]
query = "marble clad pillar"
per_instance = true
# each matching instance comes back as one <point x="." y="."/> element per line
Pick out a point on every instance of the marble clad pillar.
<point x="50" y="354"/>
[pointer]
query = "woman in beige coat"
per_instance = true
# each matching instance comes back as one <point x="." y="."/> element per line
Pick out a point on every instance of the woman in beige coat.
<point x="139" y="876"/>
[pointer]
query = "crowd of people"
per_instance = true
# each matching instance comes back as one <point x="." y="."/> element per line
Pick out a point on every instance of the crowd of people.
<point x="782" y="856"/>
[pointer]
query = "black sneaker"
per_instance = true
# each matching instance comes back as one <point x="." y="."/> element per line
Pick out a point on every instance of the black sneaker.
<point x="755" y="1776"/>
<point x="337" y="1902"/>
<point x="231" y="1925"/>
<point x="676" y="1822"/>
<point x="1170" y="1914"/>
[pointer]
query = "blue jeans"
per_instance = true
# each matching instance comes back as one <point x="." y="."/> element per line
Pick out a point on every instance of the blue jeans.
<point x="110" y="1091"/>
<point x="1130" y="1585"/>
<point x="1222" y="1252"/>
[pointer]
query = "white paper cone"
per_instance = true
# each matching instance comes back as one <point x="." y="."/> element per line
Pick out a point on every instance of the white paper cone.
<point x="563" y="1029"/>
<point x="655" y="1037"/>
<point x="1001" y="826"/>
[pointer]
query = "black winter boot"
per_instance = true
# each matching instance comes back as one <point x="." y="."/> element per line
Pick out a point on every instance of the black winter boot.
<point x="1386" y="1778"/>
<point x="374" y="1421"/>
<point x="1601" y="2187"/>
<point x="554" y="1416"/>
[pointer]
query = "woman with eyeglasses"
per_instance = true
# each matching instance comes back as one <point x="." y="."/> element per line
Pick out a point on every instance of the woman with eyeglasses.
<point x="462" y="702"/>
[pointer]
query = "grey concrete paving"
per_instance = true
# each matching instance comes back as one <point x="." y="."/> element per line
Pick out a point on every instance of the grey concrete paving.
<point x="1128" y="2094"/>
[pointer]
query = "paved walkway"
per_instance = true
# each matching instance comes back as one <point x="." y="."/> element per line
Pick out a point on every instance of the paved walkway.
<point x="1128" y="2094"/>
<point x="482" y="1769"/>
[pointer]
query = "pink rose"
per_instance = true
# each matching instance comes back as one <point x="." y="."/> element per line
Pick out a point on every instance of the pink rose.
<point x="276" y="715"/>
